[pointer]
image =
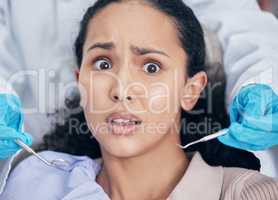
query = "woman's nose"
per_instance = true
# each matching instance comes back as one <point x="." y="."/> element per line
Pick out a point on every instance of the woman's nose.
<point x="121" y="85"/>
<point x="117" y="98"/>
<point x="118" y="94"/>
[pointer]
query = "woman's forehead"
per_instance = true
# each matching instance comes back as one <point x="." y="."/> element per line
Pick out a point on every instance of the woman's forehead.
<point x="136" y="23"/>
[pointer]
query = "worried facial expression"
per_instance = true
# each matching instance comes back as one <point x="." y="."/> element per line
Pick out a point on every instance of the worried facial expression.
<point x="133" y="79"/>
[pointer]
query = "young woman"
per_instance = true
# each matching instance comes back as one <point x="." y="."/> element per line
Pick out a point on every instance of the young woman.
<point x="141" y="68"/>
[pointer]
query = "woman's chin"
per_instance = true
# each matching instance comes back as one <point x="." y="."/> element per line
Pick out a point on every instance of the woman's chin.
<point x="128" y="145"/>
<point x="123" y="148"/>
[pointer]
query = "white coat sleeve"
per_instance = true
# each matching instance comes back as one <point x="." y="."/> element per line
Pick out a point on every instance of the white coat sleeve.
<point x="248" y="38"/>
<point x="10" y="55"/>
<point x="9" y="64"/>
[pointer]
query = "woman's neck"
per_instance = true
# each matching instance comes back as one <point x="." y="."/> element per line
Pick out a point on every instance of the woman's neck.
<point x="151" y="176"/>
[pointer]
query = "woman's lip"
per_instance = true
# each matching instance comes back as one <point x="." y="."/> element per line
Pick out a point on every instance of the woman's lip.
<point x="125" y="116"/>
<point x="122" y="129"/>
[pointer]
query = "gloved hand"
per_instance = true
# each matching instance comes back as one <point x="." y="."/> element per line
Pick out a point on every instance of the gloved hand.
<point x="11" y="120"/>
<point x="254" y="119"/>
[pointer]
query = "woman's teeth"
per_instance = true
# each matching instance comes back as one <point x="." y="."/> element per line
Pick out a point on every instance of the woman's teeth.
<point x="120" y="126"/>
<point x="123" y="122"/>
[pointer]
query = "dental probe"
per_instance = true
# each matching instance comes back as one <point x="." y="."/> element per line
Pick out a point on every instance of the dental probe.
<point x="53" y="163"/>
<point x="206" y="138"/>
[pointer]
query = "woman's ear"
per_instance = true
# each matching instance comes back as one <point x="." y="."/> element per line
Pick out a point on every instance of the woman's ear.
<point x="192" y="90"/>
<point x="77" y="74"/>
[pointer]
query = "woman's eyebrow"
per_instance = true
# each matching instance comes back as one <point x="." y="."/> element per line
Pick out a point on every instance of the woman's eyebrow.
<point x="102" y="45"/>
<point x="143" y="51"/>
<point x="136" y="50"/>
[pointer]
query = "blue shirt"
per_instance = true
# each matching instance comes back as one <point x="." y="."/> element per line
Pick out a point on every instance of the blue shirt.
<point x="33" y="180"/>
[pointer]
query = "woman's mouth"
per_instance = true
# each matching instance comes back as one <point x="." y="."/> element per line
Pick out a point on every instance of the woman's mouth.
<point x="123" y="124"/>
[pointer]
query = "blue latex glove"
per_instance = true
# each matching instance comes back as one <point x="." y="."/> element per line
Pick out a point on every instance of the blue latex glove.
<point x="254" y="119"/>
<point x="11" y="120"/>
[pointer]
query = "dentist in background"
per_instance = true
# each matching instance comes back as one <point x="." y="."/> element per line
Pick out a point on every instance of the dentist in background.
<point x="37" y="64"/>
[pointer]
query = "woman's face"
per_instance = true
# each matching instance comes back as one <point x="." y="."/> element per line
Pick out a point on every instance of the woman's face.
<point x="134" y="70"/>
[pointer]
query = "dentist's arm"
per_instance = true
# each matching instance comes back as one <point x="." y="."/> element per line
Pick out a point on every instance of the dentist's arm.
<point x="10" y="64"/>
<point x="248" y="39"/>
<point x="10" y="116"/>
<point x="249" y="43"/>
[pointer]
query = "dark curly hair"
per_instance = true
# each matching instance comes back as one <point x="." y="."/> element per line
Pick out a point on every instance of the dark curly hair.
<point x="79" y="141"/>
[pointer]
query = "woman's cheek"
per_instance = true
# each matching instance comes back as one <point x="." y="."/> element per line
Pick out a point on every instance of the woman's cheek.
<point x="97" y="89"/>
<point x="159" y="99"/>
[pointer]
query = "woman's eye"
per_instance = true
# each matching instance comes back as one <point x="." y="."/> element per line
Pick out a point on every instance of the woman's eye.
<point x="102" y="64"/>
<point x="152" y="68"/>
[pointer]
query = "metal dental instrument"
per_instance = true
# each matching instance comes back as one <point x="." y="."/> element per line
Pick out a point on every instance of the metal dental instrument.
<point x="207" y="138"/>
<point x="52" y="163"/>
